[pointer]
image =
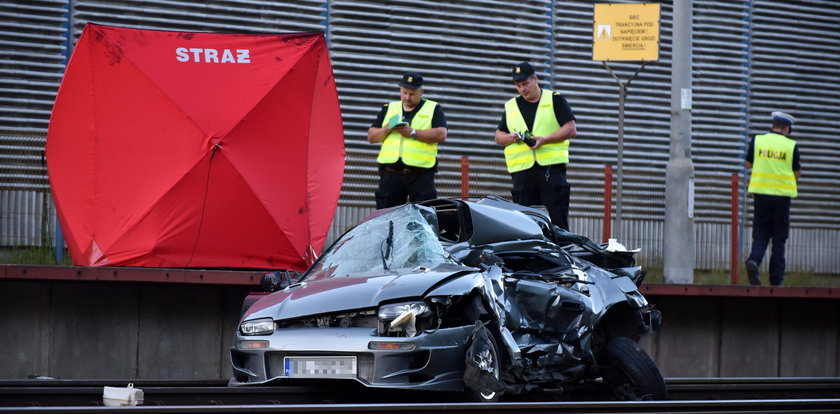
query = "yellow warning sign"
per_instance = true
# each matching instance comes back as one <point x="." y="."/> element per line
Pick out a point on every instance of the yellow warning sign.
<point x="628" y="31"/>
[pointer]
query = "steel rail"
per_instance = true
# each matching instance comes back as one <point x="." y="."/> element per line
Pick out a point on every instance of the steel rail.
<point x="811" y="406"/>
<point x="750" y="394"/>
<point x="753" y="388"/>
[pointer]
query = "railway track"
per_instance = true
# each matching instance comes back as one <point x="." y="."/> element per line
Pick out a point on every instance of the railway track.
<point x="686" y="395"/>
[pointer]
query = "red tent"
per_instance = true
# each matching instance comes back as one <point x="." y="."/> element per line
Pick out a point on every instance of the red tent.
<point x="170" y="149"/>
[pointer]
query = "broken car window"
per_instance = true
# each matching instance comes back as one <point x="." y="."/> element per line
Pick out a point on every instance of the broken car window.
<point x="361" y="250"/>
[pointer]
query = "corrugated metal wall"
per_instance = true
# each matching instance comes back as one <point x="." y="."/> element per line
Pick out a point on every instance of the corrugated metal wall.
<point x="749" y="58"/>
<point x="795" y="65"/>
<point x="719" y="109"/>
<point x="463" y="49"/>
<point x="231" y="16"/>
<point x="33" y="46"/>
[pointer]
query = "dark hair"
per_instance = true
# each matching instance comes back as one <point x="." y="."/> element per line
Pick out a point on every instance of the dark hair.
<point x="779" y="124"/>
<point x="531" y="76"/>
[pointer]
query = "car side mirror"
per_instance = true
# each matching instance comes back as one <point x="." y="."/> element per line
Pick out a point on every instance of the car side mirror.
<point x="274" y="281"/>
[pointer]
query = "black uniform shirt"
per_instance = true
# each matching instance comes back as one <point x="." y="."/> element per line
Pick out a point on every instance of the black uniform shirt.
<point x="562" y="111"/>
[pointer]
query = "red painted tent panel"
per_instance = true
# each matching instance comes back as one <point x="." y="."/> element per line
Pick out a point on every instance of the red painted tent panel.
<point x="170" y="149"/>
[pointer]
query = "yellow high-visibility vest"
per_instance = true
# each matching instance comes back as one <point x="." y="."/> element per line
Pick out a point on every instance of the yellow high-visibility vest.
<point x="413" y="152"/>
<point x="519" y="156"/>
<point x="772" y="169"/>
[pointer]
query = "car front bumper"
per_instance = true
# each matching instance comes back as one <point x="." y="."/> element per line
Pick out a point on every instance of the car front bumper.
<point x="435" y="364"/>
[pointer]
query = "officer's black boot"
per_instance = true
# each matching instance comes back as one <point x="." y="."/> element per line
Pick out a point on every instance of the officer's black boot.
<point x="752" y="272"/>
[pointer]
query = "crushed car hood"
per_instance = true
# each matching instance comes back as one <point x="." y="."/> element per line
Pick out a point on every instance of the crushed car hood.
<point x="349" y="293"/>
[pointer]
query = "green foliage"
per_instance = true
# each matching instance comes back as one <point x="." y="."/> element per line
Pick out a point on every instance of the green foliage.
<point x="33" y="256"/>
<point x="722" y="277"/>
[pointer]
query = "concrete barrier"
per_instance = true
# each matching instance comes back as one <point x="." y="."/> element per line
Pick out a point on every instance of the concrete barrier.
<point x="121" y="324"/>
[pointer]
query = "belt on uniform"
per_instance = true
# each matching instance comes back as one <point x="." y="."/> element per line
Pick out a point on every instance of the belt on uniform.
<point x="405" y="171"/>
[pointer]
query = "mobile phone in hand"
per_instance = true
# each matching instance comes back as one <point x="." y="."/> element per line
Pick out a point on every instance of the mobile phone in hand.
<point x="526" y="138"/>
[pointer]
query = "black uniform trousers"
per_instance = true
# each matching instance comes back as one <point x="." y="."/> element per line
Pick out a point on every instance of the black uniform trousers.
<point x="546" y="186"/>
<point x="396" y="185"/>
<point x="771" y="221"/>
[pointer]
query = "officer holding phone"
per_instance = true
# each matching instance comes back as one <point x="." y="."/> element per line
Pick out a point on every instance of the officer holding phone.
<point x="409" y="130"/>
<point x="535" y="131"/>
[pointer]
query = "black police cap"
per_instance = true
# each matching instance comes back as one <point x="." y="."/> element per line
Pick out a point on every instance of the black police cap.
<point x="522" y="71"/>
<point x="412" y="80"/>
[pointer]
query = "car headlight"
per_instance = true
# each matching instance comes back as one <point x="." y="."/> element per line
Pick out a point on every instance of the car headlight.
<point x="391" y="311"/>
<point x="264" y="326"/>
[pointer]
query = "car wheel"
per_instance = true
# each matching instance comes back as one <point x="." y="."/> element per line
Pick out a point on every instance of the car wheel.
<point x="482" y="377"/>
<point x="630" y="372"/>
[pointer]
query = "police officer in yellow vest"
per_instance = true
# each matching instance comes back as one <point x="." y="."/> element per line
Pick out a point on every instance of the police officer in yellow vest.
<point x="409" y="130"/>
<point x="538" y="170"/>
<point x="774" y="159"/>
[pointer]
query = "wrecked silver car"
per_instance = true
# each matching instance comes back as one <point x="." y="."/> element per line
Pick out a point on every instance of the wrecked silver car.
<point x="485" y="297"/>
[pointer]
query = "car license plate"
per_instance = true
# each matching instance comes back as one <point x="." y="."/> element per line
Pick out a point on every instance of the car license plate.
<point x="319" y="367"/>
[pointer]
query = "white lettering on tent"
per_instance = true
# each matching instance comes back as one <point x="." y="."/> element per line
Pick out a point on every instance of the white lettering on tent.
<point x="243" y="56"/>
<point x="182" y="54"/>
<point x="196" y="52"/>
<point x="227" y="57"/>
<point x="199" y="55"/>
<point x="211" y="55"/>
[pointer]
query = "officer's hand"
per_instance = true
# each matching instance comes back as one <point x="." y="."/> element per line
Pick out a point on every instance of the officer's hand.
<point x="539" y="141"/>
<point x="404" y="130"/>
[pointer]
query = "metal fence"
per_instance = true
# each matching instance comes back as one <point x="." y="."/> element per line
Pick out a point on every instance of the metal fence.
<point x="749" y="58"/>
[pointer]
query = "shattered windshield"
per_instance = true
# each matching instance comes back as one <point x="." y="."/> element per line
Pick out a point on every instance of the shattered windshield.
<point x="398" y="239"/>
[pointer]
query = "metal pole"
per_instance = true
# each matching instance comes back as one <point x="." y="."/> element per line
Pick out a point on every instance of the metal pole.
<point x="679" y="179"/>
<point x="465" y="177"/>
<point x="622" y="92"/>
<point x="733" y="266"/>
<point x="742" y="218"/>
<point x="58" y="244"/>
<point x="619" y="200"/>
<point x="608" y="175"/>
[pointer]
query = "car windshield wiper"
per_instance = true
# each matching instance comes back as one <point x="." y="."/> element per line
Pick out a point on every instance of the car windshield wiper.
<point x="389" y="243"/>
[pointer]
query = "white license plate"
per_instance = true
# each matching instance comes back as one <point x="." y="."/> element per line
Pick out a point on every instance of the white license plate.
<point x="319" y="367"/>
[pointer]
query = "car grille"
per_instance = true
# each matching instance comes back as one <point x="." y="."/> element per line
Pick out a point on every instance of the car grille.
<point x="358" y="319"/>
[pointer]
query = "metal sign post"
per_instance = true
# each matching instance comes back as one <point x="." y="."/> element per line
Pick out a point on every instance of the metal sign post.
<point x="624" y="32"/>
<point x="622" y="93"/>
